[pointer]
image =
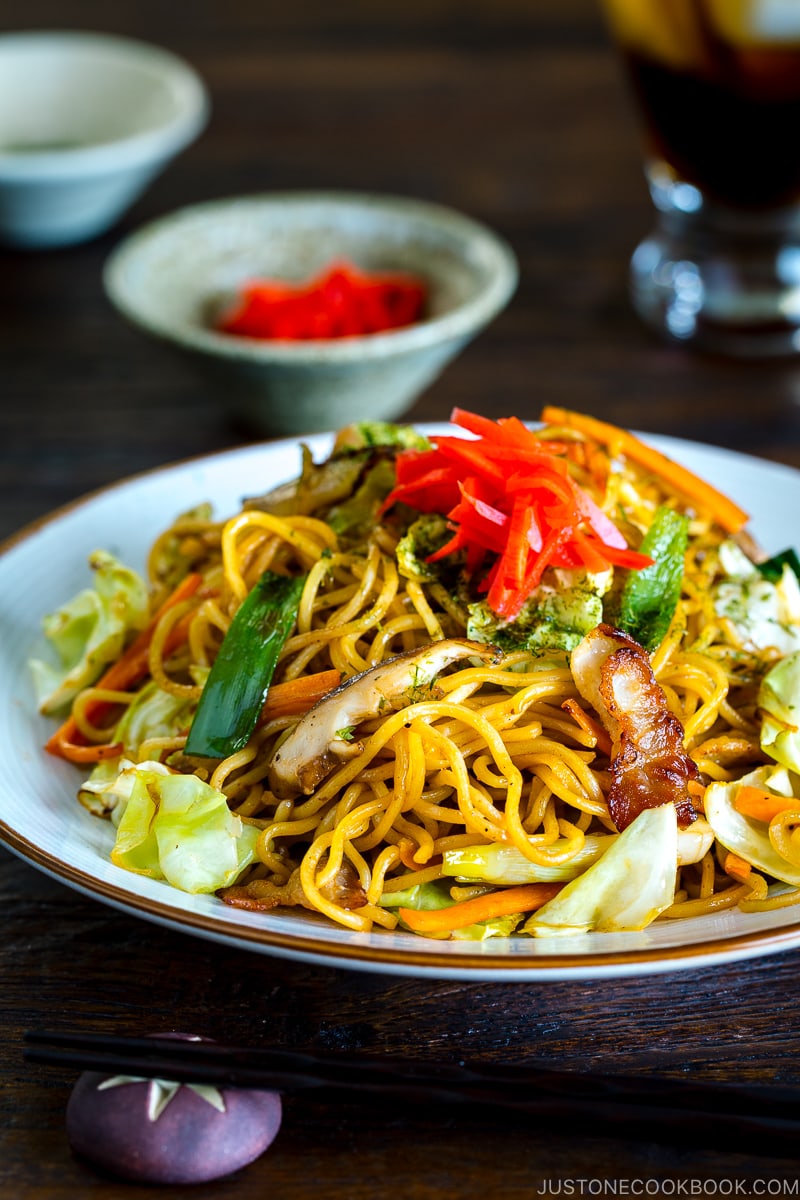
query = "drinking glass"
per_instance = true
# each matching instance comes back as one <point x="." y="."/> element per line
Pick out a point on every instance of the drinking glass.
<point x="717" y="84"/>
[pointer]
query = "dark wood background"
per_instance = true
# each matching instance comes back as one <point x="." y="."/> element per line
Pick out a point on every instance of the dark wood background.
<point x="513" y="111"/>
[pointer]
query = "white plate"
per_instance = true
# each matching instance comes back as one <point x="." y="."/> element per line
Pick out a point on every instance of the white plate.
<point x="41" y="820"/>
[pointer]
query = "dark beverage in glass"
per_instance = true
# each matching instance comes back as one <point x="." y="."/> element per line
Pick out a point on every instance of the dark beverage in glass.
<point x="717" y="84"/>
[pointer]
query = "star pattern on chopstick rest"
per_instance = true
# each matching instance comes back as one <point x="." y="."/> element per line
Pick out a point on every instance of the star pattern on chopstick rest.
<point x="161" y="1091"/>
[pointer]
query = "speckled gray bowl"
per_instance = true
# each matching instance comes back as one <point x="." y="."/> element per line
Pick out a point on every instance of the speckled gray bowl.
<point x="173" y="276"/>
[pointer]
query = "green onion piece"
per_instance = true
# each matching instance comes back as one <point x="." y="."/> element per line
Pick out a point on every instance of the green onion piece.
<point x="650" y="596"/>
<point x="239" y="680"/>
<point x="772" y="569"/>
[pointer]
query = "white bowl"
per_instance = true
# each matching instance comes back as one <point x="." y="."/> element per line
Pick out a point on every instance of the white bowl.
<point x="171" y="278"/>
<point x="86" y="121"/>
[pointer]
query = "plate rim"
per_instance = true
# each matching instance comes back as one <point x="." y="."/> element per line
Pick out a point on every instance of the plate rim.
<point x="477" y="967"/>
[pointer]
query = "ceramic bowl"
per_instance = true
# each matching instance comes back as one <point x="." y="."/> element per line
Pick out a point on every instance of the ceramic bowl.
<point x="172" y="277"/>
<point x="86" y="122"/>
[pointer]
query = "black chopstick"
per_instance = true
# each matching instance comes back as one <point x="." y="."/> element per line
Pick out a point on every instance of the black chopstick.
<point x="765" y="1117"/>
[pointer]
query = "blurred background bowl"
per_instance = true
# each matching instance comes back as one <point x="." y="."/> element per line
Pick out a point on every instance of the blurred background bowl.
<point x="173" y="278"/>
<point x="86" y="122"/>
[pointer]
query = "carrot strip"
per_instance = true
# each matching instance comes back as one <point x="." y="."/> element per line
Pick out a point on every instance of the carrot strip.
<point x="760" y="805"/>
<point x="525" y="898"/>
<point x="733" y="865"/>
<point x="121" y="676"/>
<point x="61" y="746"/>
<point x="589" y="725"/>
<point x="722" y="508"/>
<point x="298" y="695"/>
<point x="132" y="665"/>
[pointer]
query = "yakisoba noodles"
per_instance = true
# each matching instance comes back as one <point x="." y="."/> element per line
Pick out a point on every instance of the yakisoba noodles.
<point x="422" y="762"/>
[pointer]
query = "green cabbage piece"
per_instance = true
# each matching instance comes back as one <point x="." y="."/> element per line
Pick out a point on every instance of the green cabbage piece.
<point x="627" y="888"/>
<point x="425" y="536"/>
<point x="766" y="614"/>
<point x="744" y="836"/>
<point x="734" y="563"/>
<point x="426" y="896"/>
<point x="779" y="700"/>
<point x="89" y="632"/>
<point x="154" y="713"/>
<point x="496" y="927"/>
<point x="357" y="515"/>
<point x="556" y="615"/>
<point x="177" y="828"/>
<point x="380" y="433"/>
<point x="100" y="793"/>
<point x="422" y="896"/>
<point x="504" y="864"/>
<point x="107" y="790"/>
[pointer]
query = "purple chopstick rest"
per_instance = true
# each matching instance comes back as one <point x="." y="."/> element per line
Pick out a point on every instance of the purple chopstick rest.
<point x="158" y="1131"/>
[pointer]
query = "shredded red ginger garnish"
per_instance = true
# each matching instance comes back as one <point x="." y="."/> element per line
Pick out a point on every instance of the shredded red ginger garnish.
<point x="342" y="301"/>
<point x="512" y="505"/>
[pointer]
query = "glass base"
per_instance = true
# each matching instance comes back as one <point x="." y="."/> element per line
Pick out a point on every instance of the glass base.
<point x="722" y="281"/>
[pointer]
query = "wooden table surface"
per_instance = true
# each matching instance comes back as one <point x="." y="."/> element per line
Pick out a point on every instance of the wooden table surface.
<point x="512" y="111"/>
